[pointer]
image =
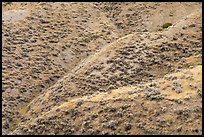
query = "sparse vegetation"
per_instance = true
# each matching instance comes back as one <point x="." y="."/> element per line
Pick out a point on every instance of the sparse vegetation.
<point x="69" y="71"/>
<point x="166" y="25"/>
<point x="152" y="133"/>
<point x="7" y="3"/>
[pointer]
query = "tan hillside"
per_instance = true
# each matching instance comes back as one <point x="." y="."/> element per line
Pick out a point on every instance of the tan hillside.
<point x="101" y="68"/>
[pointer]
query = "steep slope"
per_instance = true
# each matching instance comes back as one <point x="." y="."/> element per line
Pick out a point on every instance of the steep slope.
<point x="44" y="46"/>
<point x="131" y="17"/>
<point x="56" y="54"/>
<point x="149" y="108"/>
<point x="131" y="60"/>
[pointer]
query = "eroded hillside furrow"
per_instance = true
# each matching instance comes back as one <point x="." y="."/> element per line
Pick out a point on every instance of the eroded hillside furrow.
<point x="45" y="48"/>
<point x="140" y="109"/>
<point x="123" y="63"/>
<point x="101" y="68"/>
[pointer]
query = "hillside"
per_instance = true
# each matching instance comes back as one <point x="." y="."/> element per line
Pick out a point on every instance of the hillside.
<point x="102" y="68"/>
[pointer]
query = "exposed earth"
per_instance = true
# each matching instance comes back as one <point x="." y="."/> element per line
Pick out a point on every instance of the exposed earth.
<point x="101" y="68"/>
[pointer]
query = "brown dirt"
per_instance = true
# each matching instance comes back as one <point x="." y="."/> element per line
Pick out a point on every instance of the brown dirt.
<point x="101" y="68"/>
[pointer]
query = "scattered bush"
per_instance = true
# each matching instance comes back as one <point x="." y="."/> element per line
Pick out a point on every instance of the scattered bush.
<point x="7" y="3"/>
<point x="166" y="25"/>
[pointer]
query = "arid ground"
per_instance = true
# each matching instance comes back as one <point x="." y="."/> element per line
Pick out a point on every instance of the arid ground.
<point x="101" y="68"/>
